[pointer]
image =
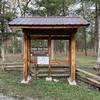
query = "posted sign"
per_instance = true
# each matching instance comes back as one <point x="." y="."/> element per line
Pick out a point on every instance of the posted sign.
<point x="42" y="60"/>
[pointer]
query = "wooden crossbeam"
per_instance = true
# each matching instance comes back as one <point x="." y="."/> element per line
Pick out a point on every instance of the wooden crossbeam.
<point x="52" y="38"/>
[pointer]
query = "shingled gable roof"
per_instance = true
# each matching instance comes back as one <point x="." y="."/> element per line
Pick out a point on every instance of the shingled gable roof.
<point x="49" y="21"/>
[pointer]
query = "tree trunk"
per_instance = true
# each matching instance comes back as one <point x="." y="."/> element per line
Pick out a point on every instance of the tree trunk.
<point x="98" y="55"/>
<point x="2" y="54"/>
<point x="13" y="44"/>
<point x="3" y="32"/>
<point x="85" y="43"/>
<point x="84" y="32"/>
<point x="65" y="47"/>
<point x="26" y="5"/>
<point x="96" y="30"/>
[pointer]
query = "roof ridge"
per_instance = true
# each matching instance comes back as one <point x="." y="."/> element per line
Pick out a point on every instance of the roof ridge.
<point x="52" y="17"/>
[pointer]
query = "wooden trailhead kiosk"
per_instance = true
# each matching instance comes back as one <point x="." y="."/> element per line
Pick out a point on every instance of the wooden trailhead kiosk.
<point x="49" y="28"/>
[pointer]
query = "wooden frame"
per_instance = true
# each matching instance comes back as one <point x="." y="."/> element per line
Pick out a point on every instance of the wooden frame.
<point x="72" y="50"/>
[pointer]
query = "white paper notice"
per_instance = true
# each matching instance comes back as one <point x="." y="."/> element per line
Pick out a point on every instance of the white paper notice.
<point x="42" y="60"/>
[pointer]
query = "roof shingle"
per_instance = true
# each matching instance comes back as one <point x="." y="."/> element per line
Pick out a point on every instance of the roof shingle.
<point x="34" y="21"/>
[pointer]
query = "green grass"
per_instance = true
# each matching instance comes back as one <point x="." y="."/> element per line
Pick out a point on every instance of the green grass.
<point x="86" y="61"/>
<point x="10" y="82"/>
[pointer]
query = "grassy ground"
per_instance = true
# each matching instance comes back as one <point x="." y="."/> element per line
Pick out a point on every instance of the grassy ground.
<point x="86" y="61"/>
<point x="10" y="82"/>
<point x="82" y="61"/>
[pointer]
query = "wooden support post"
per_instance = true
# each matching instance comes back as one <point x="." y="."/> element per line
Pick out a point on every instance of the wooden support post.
<point x="69" y="56"/>
<point x="72" y="51"/>
<point x="73" y="60"/>
<point x="26" y="57"/>
<point x="28" y="52"/>
<point x="49" y="53"/>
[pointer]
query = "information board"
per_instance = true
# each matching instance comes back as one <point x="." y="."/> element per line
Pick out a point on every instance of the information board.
<point x="42" y="60"/>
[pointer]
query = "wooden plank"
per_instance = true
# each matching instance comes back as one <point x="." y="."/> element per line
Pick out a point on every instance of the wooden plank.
<point x="53" y="75"/>
<point x="60" y="37"/>
<point x="46" y="32"/>
<point x="46" y="27"/>
<point x="52" y="38"/>
<point x="15" y="63"/>
<point x="89" y="81"/>
<point x="88" y="73"/>
<point x="73" y="53"/>
<point x="39" y="37"/>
